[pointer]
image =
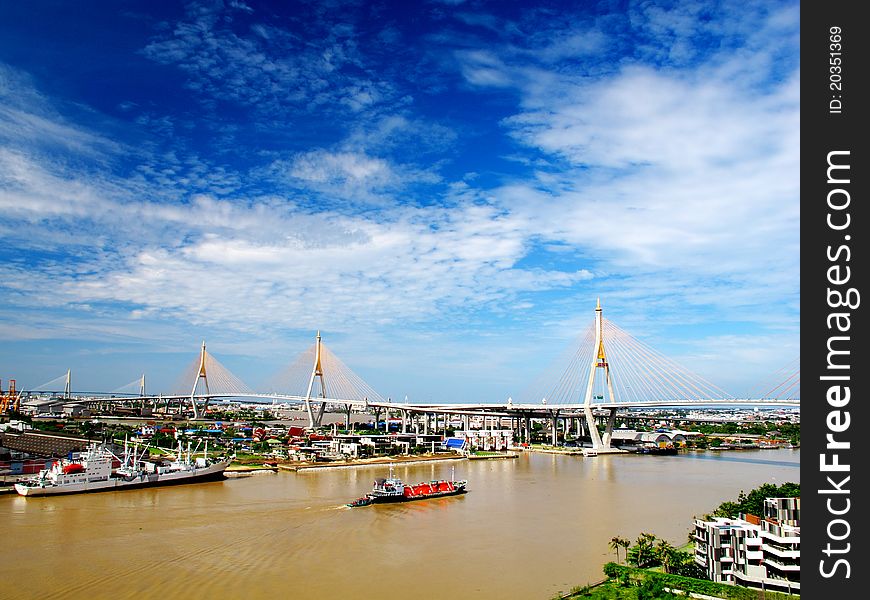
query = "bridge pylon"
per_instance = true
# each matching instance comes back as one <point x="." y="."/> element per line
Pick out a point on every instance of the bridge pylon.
<point x="316" y="371"/>
<point x="201" y="374"/>
<point x="599" y="362"/>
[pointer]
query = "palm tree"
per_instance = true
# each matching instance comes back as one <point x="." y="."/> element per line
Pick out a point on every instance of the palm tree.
<point x="616" y="544"/>
<point x="643" y="553"/>
<point x="625" y="543"/>
<point x="666" y="556"/>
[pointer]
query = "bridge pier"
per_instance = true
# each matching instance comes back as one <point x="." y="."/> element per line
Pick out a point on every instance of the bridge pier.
<point x="608" y="432"/>
<point x="593" y="428"/>
<point x="320" y="411"/>
<point x="377" y="417"/>
<point x="555" y="427"/>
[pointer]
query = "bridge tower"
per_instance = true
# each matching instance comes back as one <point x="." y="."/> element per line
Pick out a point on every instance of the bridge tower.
<point x="201" y="374"/>
<point x="599" y="362"/>
<point x="316" y="371"/>
<point x="67" y="387"/>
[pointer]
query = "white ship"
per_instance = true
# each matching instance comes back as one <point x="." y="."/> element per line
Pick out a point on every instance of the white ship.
<point x="91" y="471"/>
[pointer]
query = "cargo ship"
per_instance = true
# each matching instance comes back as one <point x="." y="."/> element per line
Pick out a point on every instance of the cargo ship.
<point x="92" y="471"/>
<point x="393" y="489"/>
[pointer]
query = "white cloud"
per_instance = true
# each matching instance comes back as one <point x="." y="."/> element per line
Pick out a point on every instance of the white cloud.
<point x="671" y="191"/>
<point x="483" y="68"/>
<point x="347" y="174"/>
<point x="267" y="68"/>
<point x="325" y="167"/>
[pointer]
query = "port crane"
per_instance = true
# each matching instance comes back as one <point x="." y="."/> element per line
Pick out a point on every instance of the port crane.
<point x="9" y="398"/>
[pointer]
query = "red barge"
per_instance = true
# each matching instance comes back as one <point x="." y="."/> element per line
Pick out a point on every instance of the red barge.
<point x="392" y="489"/>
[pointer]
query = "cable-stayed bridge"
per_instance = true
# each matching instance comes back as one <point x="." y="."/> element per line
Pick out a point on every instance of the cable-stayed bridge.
<point x="604" y="370"/>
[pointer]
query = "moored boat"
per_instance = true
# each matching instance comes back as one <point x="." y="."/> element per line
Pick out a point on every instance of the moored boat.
<point x="92" y="471"/>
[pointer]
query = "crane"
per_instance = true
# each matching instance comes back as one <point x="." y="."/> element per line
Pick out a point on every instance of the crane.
<point x="9" y="398"/>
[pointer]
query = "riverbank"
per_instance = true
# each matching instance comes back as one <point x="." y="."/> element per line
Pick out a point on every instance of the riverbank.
<point x="491" y="455"/>
<point x="631" y="583"/>
<point x="248" y="470"/>
<point x="578" y="451"/>
<point x="365" y="462"/>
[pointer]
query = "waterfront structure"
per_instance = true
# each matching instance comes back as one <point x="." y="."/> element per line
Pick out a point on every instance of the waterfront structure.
<point x="487" y="439"/>
<point x="658" y="439"/>
<point x="360" y="445"/>
<point x="42" y="443"/>
<point x="758" y="552"/>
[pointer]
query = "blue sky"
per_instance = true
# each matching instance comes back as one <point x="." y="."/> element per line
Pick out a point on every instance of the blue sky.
<point x="442" y="188"/>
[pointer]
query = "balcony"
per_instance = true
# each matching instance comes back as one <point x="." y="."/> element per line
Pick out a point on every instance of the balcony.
<point x="781" y="566"/>
<point x="780" y="552"/>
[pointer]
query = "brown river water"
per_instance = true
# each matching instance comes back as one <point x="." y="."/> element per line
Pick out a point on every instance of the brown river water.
<point x="527" y="528"/>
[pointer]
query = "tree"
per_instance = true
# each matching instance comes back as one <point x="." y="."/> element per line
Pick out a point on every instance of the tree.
<point x="753" y="502"/>
<point x="260" y="447"/>
<point x="666" y="555"/>
<point x="616" y="543"/>
<point x="643" y="553"/>
<point x="728" y="510"/>
<point x="625" y="543"/>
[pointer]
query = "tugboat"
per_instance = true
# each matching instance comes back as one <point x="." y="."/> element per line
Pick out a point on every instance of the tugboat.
<point x="361" y="501"/>
<point x="393" y="489"/>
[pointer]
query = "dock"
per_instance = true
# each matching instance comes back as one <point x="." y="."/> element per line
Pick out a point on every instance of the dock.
<point x="365" y="462"/>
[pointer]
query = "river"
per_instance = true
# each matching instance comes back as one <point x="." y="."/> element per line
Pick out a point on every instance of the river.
<point x="527" y="528"/>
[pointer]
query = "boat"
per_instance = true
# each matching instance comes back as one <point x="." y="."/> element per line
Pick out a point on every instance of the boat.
<point x="92" y="471"/>
<point x="393" y="489"/>
<point x="361" y="501"/>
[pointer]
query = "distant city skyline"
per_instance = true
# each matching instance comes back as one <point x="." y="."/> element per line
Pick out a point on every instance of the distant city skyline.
<point x="443" y="189"/>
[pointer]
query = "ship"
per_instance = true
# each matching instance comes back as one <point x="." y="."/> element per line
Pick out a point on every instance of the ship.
<point x="393" y="489"/>
<point x="93" y="471"/>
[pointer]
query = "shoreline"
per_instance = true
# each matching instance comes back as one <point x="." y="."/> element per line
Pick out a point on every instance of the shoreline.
<point x="366" y="462"/>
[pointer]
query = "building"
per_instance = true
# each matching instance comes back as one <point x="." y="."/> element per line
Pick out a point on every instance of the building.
<point x="752" y="551"/>
<point x="487" y="439"/>
<point x="662" y="438"/>
<point x="43" y="443"/>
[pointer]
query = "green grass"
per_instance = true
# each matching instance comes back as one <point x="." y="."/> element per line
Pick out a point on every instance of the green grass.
<point x="628" y="583"/>
<point x="614" y="589"/>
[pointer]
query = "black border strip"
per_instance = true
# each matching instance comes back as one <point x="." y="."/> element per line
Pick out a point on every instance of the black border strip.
<point x="833" y="224"/>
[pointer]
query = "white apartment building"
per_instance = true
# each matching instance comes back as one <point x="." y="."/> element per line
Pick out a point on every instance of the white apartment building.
<point x="758" y="552"/>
